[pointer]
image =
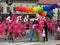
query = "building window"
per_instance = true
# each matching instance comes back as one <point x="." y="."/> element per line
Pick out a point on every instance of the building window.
<point x="27" y="5"/>
<point x="8" y="8"/>
<point x="21" y="5"/>
<point x="1" y="9"/>
<point x="14" y="9"/>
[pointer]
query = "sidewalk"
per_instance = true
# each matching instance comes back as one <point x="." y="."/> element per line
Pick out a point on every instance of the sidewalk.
<point x="32" y="43"/>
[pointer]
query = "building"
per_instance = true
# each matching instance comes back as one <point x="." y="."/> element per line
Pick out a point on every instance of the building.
<point x="48" y="1"/>
<point x="27" y="3"/>
<point x="4" y="10"/>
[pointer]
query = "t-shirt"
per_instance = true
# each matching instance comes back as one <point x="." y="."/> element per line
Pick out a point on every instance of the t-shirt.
<point x="43" y="33"/>
<point x="58" y="29"/>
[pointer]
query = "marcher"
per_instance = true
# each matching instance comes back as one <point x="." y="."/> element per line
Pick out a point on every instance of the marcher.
<point x="58" y="33"/>
<point x="46" y="33"/>
<point x="10" y="30"/>
<point x="33" y="32"/>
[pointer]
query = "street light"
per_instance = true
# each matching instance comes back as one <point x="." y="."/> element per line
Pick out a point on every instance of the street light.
<point x="9" y="3"/>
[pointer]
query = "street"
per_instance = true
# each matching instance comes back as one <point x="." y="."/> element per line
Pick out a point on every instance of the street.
<point x="25" y="41"/>
<point x="32" y="43"/>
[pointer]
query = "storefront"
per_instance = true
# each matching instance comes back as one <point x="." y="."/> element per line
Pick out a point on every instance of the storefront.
<point x="23" y="15"/>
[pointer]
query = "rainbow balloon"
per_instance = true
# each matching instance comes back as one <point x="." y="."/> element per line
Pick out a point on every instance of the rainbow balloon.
<point x="43" y="11"/>
<point x="49" y="14"/>
<point x="29" y="9"/>
<point x="40" y="9"/>
<point x="35" y="9"/>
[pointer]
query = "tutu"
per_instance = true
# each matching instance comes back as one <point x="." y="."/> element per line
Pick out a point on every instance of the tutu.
<point x="36" y="36"/>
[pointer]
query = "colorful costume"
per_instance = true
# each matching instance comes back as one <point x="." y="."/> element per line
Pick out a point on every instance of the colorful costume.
<point x="34" y="33"/>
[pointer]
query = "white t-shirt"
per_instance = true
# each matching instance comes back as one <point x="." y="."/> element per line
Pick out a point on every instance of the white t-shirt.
<point x="58" y="29"/>
<point x="43" y="33"/>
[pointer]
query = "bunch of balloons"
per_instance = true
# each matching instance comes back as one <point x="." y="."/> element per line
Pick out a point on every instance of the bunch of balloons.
<point x="29" y="9"/>
<point x="43" y="11"/>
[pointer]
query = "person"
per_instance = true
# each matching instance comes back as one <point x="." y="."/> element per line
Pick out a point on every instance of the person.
<point x="6" y="31"/>
<point x="10" y="34"/>
<point x="58" y="32"/>
<point x="33" y="32"/>
<point x="46" y="33"/>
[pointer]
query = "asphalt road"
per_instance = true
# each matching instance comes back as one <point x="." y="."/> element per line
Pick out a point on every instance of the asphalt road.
<point x="25" y="41"/>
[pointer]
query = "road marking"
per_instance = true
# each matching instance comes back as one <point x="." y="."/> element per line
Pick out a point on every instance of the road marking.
<point x="29" y="43"/>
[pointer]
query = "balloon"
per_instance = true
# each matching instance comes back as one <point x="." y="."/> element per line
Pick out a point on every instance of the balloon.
<point x="20" y="8"/>
<point x="35" y="9"/>
<point x="28" y="9"/>
<point x="40" y="9"/>
<point x="49" y="14"/>
<point x="47" y="8"/>
<point x="53" y="6"/>
<point x="42" y="13"/>
<point x="17" y="8"/>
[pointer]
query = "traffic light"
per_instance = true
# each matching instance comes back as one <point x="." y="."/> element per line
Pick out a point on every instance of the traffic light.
<point x="9" y="2"/>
